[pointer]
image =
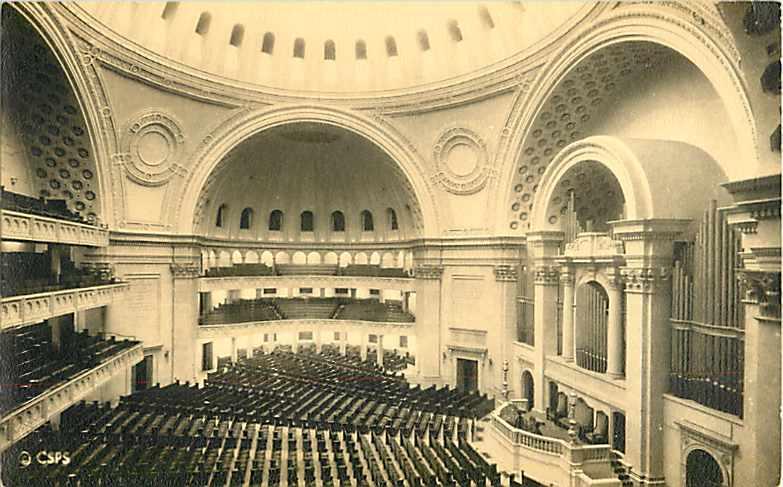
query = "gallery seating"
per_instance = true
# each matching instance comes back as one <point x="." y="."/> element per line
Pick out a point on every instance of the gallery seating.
<point x="51" y="208"/>
<point x="240" y="270"/>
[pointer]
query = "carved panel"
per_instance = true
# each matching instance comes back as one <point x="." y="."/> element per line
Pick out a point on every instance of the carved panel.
<point x="152" y="146"/>
<point x="461" y="161"/>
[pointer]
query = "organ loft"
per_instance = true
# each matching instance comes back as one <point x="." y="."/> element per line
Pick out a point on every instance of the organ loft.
<point x="458" y="244"/>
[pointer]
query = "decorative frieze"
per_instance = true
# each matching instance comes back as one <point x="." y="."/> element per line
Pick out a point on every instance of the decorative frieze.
<point x="644" y="279"/>
<point x="185" y="271"/>
<point x="506" y="272"/>
<point x="762" y="288"/>
<point x="594" y="245"/>
<point x="546" y="275"/>
<point x="424" y="271"/>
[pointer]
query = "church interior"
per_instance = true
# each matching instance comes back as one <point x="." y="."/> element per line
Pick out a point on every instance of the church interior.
<point x="408" y="244"/>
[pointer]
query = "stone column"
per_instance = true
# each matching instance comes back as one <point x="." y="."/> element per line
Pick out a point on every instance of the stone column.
<point x="428" y="322"/>
<point x="363" y="349"/>
<point x="317" y="340"/>
<point x="506" y="280"/>
<point x="343" y="342"/>
<point x="756" y="214"/>
<point x="544" y="247"/>
<point x="184" y="353"/>
<point x="380" y="350"/>
<point x="648" y="249"/>
<point x="567" y="280"/>
<point x="615" y="353"/>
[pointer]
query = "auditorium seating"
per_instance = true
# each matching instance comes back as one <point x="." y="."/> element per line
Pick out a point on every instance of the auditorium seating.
<point x="241" y="270"/>
<point x="306" y="269"/>
<point x="30" y="273"/>
<point x="268" y="309"/>
<point x="277" y="419"/>
<point x="371" y="270"/>
<point x="51" y="208"/>
<point x="34" y="360"/>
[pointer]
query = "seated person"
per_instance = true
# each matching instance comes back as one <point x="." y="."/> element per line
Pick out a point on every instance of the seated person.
<point x="519" y="423"/>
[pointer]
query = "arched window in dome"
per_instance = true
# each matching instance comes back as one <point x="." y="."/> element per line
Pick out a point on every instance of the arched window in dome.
<point x="268" y="44"/>
<point x="391" y="47"/>
<point x="221" y="216"/>
<point x="276" y="221"/>
<point x="424" y="40"/>
<point x="361" y="49"/>
<point x="246" y="219"/>
<point x="392" y="217"/>
<point x="237" y="35"/>
<point x="367" y="223"/>
<point x="299" y="48"/>
<point x="202" y="27"/>
<point x="330" y="52"/>
<point x="306" y="221"/>
<point x="169" y="10"/>
<point x="454" y="31"/>
<point x="486" y="18"/>
<point x="338" y="221"/>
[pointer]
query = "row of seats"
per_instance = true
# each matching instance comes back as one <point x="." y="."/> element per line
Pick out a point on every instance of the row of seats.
<point x="268" y="309"/>
<point x="52" y="208"/>
<point x="358" y="270"/>
<point x="273" y="419"/>
<point x="36" y="360"/>
<point x="136" y="446"/>
<point x="23" y="273"/>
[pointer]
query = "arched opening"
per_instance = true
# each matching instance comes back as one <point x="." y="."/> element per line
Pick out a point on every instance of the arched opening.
<point x="202" y="26"/>
<point x="237" y="35"/>
<point x="618" y="431"/>
<point x="220" y="218"/>
<point x="169" y="10"/>
<point x="528" y="389"/>
<point x="338" y="221"/>
<point x="367" y="222"/>
<point x="299" y="48"/>
<point x="276" y="221"/>
<point x="486" y="17"/>
<point x="592" y="311"/>
<point x="424" y="40"/>
<point x="454" y="31"/>
<point x="702" y="470"/>
<point x="306" y="221"/>
<point x="391" y="216"/>
<point x="361" y="50"/>
<point x="330" y="52"/>
<point x="47" y="150"/>
<point x="268" y="43"/>
<point x="246" y="219"/>
<point x="391" y="47"/>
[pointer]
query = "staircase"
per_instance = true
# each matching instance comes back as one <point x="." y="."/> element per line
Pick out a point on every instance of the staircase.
<point x="621" y="470"/>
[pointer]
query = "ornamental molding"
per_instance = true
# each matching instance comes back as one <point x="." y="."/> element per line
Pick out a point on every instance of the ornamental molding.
<point x="185" y="271"/>
<point x="152" y="147"/>
<point x="423" y="271"/>
<point x="762" y="288"/>
<point x="567" y="276"/>
<point x="722" y="449"/>
<point x="594" y="245"/>
<point x="506" y="272"/>
<point x="546" y="275"/>
<point x="644" y="279"/>
<point x="461" y="161"/>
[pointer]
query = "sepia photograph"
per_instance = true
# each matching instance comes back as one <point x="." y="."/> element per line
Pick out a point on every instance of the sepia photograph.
<point x="390" y="243"/>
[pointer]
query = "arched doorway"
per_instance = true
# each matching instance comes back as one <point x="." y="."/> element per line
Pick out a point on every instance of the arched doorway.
<point x="528" y="388"/>
<point x="701" y="470"/>
<point x="592" y="306"/>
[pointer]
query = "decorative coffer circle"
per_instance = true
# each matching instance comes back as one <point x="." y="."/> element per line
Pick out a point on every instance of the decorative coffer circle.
<point x="461" y="161"/>
<point x="152" y="146"/>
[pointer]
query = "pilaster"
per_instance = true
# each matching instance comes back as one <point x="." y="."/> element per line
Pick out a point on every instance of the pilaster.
<point x="184" y="298"/>
<point x="428" y="320"/>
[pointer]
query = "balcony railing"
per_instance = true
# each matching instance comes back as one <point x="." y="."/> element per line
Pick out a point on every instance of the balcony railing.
<point x="33" y="308"/>
<point x="36" y="228"/>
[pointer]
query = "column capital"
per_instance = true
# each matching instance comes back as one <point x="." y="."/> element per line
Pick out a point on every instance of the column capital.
<point x="506" y="272"/>
<point x="644" y="279"/>
<point x="615" y="279"/>
<point x="546" y="275"/>
<point x="567" y="275"/>
<point x="426" y="271"/>
<point x="762" y="288"/>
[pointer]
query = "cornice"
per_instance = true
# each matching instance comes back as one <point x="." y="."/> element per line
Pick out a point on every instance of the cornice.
<point x="129" y="59"/>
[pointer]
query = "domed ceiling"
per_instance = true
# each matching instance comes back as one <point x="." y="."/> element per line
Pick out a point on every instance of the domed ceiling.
<point x="308" y="167"/>
<point x="341" y="46"/>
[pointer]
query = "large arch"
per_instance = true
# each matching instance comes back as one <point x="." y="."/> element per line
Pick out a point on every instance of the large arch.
<point x="707" y="44"/>
<point x="246" y="124"/>
<point x="76" y="59"/>
<point x="652" y="186"/>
